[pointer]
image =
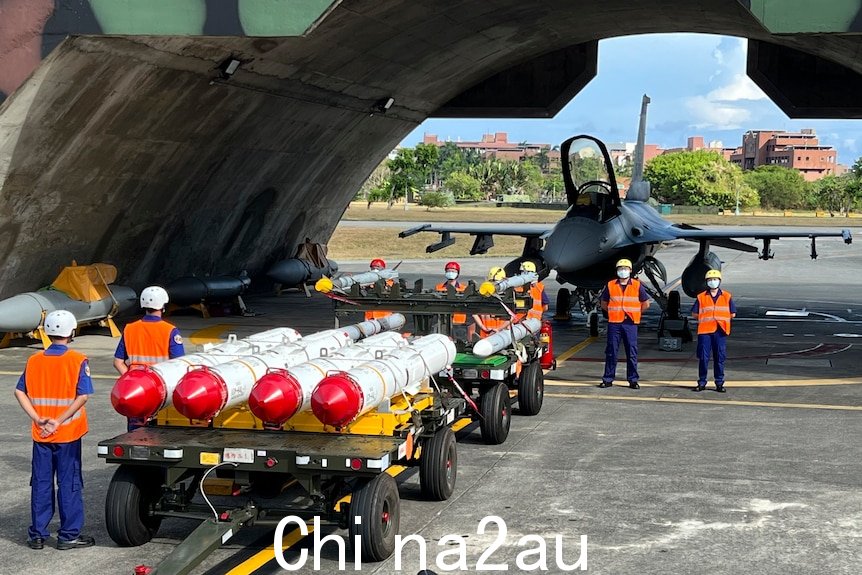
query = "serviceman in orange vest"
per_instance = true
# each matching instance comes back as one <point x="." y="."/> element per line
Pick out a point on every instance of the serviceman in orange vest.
<point x="624" y="299"/>
<point x="537" y="293"/>
<point x="377" y="265"/>
<point x="52" y="390"/>
<point x="488" y="324"/>
<point x="713" y="309"/>
<point x="149" y="340"/>
<point x="452" y="270"/>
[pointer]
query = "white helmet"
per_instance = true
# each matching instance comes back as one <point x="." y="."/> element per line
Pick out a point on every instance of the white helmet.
<point x="154" y="297"/>
<point x="60" y="323"/>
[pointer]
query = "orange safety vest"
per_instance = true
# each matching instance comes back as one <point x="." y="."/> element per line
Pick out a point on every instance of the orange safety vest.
<point x="148" y="342"/>
<point x="52" y="383"/>
<point x="377" y="314"/>
<point x="457" y="318"/>
<point x="624" y="302"/>
<point x="491" y="322"/>
<point x="538" y="308"/>
<point x="713" y="314"/>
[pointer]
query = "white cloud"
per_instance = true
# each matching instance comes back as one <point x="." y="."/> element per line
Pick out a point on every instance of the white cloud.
<point x="708" y="114"/>
<point x="849" y="145"/>
<point x="741" y="87"/>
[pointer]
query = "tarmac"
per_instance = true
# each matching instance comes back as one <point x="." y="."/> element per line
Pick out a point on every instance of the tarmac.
<point x="766" y="478"/>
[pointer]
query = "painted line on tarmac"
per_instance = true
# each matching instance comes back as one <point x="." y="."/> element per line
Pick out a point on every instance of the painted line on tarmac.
<point x="732" y="402"/>
<point x="210" y="334"/>
<point x="733" y="384"/>
<point x="267" y="555"/>
<point x="575" y="349"/>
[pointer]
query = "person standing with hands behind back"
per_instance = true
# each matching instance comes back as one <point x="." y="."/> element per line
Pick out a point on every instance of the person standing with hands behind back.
<point x="52" y="390"/>
<point x="624" y="299"/>
<point x="713" y="309"/>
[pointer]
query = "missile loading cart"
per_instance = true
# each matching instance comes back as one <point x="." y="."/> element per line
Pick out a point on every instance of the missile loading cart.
<point x="489" y="383"/>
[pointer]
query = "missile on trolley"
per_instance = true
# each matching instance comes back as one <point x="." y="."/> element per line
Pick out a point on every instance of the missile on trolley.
<point x="371" y="327"/>
<point x="296" y="271"/>
<point x="326" y="285"/>
<point x="489" y="288"/>
<point x="142" y="391"/>
<point x="342" y="397"/>
<point x="192" y="290"/>
<point x="503" y="339"/>
<point x="282" y="393"/>
<point x="23" y="313"/>
<point x="204" y="393"/>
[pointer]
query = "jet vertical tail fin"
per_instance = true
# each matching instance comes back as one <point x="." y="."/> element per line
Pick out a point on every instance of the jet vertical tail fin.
<point x="639" y="188"/>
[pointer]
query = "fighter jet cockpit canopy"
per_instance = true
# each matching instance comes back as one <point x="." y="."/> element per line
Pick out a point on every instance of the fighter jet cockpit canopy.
<point x="591" y="188"/>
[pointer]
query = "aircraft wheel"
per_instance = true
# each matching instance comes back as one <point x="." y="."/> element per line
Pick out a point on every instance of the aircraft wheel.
<point x="133" y="492"/>
<point x="496" y="414"/>
<point x="564" y="305"/>
<point x="594" y="324"/>
<point x="377" y="504"/>
<point x="438" y="465"/>
<point x="531" y="389"/>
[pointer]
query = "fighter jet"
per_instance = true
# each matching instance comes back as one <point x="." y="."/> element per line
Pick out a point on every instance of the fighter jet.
<point x="599" y="228"/>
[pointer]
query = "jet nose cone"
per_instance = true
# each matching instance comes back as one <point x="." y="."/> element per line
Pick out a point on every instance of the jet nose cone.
<point x="200" y="394"/>
<point x="573" y="244"/>
<point x="20" y="313"/>
<point x="275" y="398"/>
<point x="138" y="393"/>
<point x="336" y="400"/>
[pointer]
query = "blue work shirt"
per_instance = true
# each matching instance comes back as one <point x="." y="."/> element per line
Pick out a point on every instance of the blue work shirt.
<point x="696" y="307"/>
<point x="175" y="349"/>
<point x="85" y="383"/>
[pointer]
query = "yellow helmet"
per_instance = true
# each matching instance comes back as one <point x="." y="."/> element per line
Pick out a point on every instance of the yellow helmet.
<point x="528" y="267"/>
<point x="624" y="263"/>
<point x="713" y="274"/>
<point x="496" y="274"/>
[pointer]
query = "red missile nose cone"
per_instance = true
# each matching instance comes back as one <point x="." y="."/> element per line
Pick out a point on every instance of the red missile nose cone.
<point x="336" y="400"/>
<point x="275" y="397"/>
<point x="200" y="394"/>
<point x="138" y="393"/>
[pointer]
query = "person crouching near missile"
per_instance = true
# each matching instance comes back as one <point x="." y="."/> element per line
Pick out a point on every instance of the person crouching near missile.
<point x="149" y="340"/>
<point x="52" y="390"/>
<point x="624" y="299"/>
<point x="489" y="324"/>
<point x="713" y="309"/>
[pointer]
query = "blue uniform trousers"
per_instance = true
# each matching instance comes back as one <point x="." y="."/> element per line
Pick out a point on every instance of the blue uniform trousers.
<point x="64" y="460"/>
<point x="628" y="333"/>
<point x="714" y="344"/>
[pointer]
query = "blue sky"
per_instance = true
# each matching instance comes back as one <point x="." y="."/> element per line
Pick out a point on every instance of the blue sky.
<point x="698" y="87"/>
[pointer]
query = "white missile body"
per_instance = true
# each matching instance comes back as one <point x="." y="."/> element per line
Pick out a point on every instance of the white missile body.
<point x="341" y="398"/>
<point x="370" y="327"/>
<point x="343" y="283"/>
<point x="503" y="339"/>
<point x="488" y="289"/>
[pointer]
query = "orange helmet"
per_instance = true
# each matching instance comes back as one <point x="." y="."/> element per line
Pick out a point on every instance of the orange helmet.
<point x="377" y="263"/>
<point x="453" y="266"/>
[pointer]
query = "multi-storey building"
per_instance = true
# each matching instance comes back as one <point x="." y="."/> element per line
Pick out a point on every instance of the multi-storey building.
<point x="797" y="150"/>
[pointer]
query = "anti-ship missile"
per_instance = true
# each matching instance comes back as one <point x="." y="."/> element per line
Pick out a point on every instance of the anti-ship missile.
<point x="503" y="339"/>
<point x="326" y="285"/>
<point x="282" y="393"/>
<point x="488" y="288"/>
<point x="142" y="392"/>
<point x="203" y="393"/>
<point x="296" y="271"/>
<point x="193" y="290"/>
<point x="23" y="313"/>
<point x="342" y="397"/>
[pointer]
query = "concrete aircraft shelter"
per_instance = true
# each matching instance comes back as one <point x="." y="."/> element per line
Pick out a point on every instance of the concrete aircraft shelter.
<point x="123" y="140"/>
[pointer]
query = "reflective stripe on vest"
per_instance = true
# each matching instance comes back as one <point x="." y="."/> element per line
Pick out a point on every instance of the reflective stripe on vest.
<point x="148" y="342"/>
<point x="52" y="383"/>
<point x="712" y="314"/>
<point x="538" y="308"/>
<point x="624" y="302"/>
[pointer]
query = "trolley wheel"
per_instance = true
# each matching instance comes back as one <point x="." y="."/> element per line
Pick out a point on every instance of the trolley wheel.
<point x="132" y="493"/>
<point x="438" y="465"/>
<point x="564" y="305"/>
<point x="531" y="389"/>
<point x="496" y="414"/>
<point x="594" y="324"/>
<point x="376" y="502"/>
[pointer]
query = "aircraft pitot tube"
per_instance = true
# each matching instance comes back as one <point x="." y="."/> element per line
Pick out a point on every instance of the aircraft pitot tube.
<point x="342" y="397"/>
<point x="492" y="344"/>
<point x="488" y="288"/>
<point x="326" y="285"/>
<point x="205" y="392"/>
<point x="282" y="393"/>
<point x="142" y="391"/>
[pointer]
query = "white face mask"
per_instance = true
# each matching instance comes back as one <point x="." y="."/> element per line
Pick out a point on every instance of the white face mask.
<point x="713" y="283"/>
<point x="451" y="275"/>
<point x="623" y="273"/>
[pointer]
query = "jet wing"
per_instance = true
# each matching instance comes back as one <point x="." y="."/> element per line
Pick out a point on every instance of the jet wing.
<point x="484" y="234"/>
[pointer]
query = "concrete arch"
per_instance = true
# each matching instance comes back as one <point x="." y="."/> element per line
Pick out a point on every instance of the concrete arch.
<point x="135" y="150"/>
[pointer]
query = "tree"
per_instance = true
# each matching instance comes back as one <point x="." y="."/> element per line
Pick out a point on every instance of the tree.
<point x="699" y="178"/>
<point x="463" y="186"/>
<point x="437" y="200"/>
<point x="426" y="156"/>
<point x="405" y="175"/>
<point x="838" y="193"/>
<point x="779" y="187"/>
